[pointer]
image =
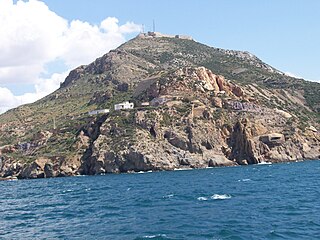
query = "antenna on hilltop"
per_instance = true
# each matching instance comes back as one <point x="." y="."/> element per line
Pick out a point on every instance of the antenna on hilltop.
<point x="154" y="26"/>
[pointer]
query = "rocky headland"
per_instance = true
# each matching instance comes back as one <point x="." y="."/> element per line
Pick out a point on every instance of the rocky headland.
<point x="194" y="107"/>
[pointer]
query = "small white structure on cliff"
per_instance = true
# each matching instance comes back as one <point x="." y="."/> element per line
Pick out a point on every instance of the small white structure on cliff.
<point x="123" y="105"/>
<point x="145" y="104"/>
<point x="96" y="112"/>
<point x="272" y="139"/>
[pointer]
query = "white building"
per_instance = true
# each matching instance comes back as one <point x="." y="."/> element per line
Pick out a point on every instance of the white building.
<point x="96" y="112"/>
<point x="145" y="104"/>
<point x="123" y="105"/>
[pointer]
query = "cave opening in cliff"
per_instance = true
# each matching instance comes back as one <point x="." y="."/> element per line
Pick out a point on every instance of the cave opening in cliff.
<point x="153" y="132"/>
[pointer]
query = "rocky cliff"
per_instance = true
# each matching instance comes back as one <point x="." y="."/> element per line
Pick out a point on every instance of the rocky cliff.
<point x="195" y="107"/>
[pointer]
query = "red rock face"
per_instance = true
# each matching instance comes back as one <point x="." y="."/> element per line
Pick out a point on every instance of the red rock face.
<point x="217" y="83"/>
<point x="213" y="80"/>
<point x="207" y="76"/>
<point x="223" y="86"/>
<point x="236" y="90"/>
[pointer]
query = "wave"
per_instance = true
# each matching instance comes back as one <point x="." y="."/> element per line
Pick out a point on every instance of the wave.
<point x="202" y="198"/>
<point x="244" y="180"/>
<point x="182" y="169"/>
<point x="264" y="163"/>
<point x="220" y="197"/>
<point x="157" y="236"/>
<point x="142" y="172"/>
<point x="13" y="179"/>
<point x="68" y="190"/>
<point x="168" y="196"/>
<point x="215" y="197"/>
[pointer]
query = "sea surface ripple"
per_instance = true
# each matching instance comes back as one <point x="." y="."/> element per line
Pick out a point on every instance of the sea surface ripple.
<point x="278" y="201"/>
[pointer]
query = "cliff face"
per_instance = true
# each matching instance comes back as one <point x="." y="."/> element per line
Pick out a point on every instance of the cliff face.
<point x="185" y="116"/>
<point x="188" y="130"/>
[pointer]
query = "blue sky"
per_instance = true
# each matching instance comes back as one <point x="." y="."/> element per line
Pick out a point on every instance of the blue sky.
<point x="283" y="33"/>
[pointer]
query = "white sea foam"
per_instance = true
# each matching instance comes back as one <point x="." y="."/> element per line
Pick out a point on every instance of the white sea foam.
<point x="155" y="236"/>
<point x="168" y="196"/>
<point x="182" y="169"/>
<point x="202" y="198"/>
<point x="264" y="163"/>
<point x="244" y="180"/>
<point x="220" y="196"/>
<point x="68" y="190"/>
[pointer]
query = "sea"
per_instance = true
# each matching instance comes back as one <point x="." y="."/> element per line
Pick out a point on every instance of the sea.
<point x="277" y="201"/>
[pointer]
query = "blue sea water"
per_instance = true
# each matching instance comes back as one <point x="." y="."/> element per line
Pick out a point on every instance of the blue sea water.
<point x="279" y="201"/>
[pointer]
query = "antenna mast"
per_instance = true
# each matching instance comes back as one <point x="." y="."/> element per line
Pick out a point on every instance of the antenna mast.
<point x="154" y="26"/>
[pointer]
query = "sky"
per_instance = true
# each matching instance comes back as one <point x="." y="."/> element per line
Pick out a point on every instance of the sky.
<point x="41" y="41"/>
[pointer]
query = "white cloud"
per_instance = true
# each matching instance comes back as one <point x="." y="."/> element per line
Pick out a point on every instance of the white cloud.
<point x="110" y="24"/>
<point x="83" y="42"/>
<point x="20" y="74"/>
<point x="7" y="99"/>
<point x="42" y="88"/>
<point x="33" y="36"/>
<point x="46" y="86"/>
<point x="130" y="27"/>
<point x="29" y="32"/>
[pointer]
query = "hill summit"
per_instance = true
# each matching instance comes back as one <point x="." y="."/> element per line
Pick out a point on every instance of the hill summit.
<point x="162" y="102"/>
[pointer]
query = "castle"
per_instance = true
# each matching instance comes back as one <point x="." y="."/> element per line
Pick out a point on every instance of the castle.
<point x="159" y="35"/>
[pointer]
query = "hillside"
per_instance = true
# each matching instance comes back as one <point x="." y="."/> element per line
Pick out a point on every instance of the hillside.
<point x="195" y="106"/>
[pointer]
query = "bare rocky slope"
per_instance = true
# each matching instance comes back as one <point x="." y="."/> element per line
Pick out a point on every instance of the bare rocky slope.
<point x="195" y="107"/>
